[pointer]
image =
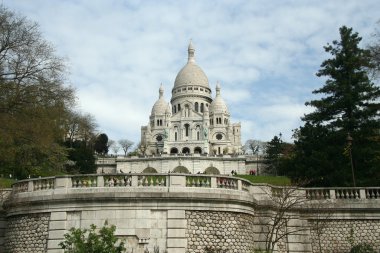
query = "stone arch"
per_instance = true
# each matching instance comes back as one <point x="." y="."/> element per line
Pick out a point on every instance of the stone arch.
<point x="149" y="170"/>
<point x="185" y="150"/>
<point x="174" y="150"/>
<point x="197" y="150"/>
<point x="212" y="170"/>
<point x="181" y="169"/>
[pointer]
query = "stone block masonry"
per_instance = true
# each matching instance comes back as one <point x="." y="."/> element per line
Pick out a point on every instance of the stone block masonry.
<point x="220" y="231"/>
<point x="334" y="236"/>
<point x="27" y="233"/>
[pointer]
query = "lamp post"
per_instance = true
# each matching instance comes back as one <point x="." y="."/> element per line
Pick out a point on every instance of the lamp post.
<point x="349" y="140"/>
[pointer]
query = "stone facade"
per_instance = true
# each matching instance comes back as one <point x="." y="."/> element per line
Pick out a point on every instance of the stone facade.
<point x="193" y="164"/>
<point x="335" y="234"/>
<point x="27" y="233"/>
<point x="193" y="121"/>
<point x="219" y="231"/>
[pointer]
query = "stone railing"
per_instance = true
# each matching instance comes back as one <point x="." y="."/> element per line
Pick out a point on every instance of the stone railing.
<point x="190" y="181"/>
<point x="132" y="180"/>
<point x="342" y="193"/>
<point x="4" y="195"/>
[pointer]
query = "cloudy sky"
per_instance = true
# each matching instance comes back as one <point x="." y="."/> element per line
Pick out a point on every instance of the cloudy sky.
<point x="264" y="53"/>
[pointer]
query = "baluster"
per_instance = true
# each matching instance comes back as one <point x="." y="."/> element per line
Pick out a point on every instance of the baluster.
<point x="164" y="181"/>
<point x="145" y="179"/>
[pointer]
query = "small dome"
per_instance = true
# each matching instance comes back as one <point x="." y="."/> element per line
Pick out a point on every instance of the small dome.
<point x="160" y="106"/>
<point x="218" y="105"/>
<point x="191" y="73"/>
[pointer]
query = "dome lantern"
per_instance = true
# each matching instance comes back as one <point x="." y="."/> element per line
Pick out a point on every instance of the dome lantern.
<point x="191" y="52"/>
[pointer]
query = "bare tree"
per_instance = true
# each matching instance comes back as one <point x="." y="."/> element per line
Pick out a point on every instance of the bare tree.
<point x="126" y="145"/>
<point x="80" y="127"/>
<point x="283" y="201"/>
<point x="374" y="48"/>
<point x="34" y="99"/>
<point x="254" y="146"/>
<point x="115" y="147"/>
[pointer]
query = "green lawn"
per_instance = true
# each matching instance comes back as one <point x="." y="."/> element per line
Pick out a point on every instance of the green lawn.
<point x="6" y="182"/>
<point x="273" y="180"/>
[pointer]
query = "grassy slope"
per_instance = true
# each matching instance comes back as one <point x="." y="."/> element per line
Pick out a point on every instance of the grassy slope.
<point x="6" y="182"/>
<point x="267" y="179"/>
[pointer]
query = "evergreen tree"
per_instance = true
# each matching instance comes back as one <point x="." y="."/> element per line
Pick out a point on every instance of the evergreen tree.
<point x="348" y="106"/>
<point x="101" y="144"/>
<point x="273" y="154"/>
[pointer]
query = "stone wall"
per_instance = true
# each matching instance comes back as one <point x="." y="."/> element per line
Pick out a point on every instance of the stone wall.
<point x="165" y="163"/>
<point x="2" y="228"/>
<point x="27" y="233"/>
<point x="335" y="234"/>
<point x="220" y="231"/>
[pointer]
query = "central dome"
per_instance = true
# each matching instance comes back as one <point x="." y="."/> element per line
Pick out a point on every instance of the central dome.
<point x="191" y="73"/>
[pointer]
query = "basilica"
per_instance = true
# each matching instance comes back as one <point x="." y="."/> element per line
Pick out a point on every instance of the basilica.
<point x="193" y="122"/>
<point x="190" y="134"/>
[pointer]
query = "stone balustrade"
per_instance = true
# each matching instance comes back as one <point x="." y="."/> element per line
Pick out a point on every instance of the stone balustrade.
<point x="186" y="180"/>
<point x="343" y="193"/>
<point x="131" y="180"/>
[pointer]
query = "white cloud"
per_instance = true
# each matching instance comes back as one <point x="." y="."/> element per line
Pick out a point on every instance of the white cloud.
<point x="264" y="53"/>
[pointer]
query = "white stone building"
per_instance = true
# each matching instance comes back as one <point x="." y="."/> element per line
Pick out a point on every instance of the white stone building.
<point x="193" y="122"/>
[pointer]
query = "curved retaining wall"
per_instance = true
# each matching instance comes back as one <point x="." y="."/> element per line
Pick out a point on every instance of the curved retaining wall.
<point x="148" y="211"/>
<point x="182" y="213"/>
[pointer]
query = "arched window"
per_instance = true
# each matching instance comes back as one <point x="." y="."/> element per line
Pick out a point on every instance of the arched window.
<point x="198" y="150"/>
<point x="202" y="107"/>
<point x="186" y="150"/>
<point x="174" y="109"/>
<point x="196" y="106"/>
<point x="179" y="107"/>
<point x="175" y="136"/>
<point x="187" y="126"/>
<point x="187" y="111"/>
<point x="198" y="135"/>
<point x="173" y="151"/>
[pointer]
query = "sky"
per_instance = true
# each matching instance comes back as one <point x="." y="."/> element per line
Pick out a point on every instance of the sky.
<point x="264" y="54"/>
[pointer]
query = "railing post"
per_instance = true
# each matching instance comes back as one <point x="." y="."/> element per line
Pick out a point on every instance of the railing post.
<point x="213" y="182"/>
<point x="240" y="185"/>
<point x="177" y="180"/>
<point x="62" y="182"/>
<point x="134" y="180"/>
<point x="30" y="186"/>
<point x="362" y="194"/>
<point x="332" y="194"/>
<point x="100" y="181"/>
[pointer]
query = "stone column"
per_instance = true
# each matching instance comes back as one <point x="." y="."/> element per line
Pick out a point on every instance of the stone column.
<point x="176" y="236"/>
<point x="57" y="228"/>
